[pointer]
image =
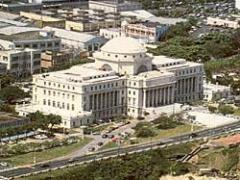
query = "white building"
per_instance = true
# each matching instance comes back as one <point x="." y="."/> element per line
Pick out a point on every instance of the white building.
<point x="123" y="80"/>
<point x="77" y="40"/>
<point x="223" y="22"/>
<point x="146" y="32"/>
<point x="110" y="33"/>
<point x="21" y="62"/>
<point x="29" y="37"/>
<point x="215" y="91"/>
<point x="110" y="6"/>
<point x="237" y="4"/>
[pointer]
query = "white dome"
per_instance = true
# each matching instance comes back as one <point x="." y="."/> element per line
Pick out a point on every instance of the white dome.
<point x="123" y="45"/>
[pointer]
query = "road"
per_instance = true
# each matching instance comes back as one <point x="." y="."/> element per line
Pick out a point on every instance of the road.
<point x="206" y="133"/>
<point x="98" y="138"/>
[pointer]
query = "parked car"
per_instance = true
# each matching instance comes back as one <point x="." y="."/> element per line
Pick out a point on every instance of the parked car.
<point x="104" y="136"/>
<point x="46" y="165"/>
<point x="111" y="136"/>
<point x="91" y="149"/>
<point x="71" y="160"/>
<point x="100" y="143"/>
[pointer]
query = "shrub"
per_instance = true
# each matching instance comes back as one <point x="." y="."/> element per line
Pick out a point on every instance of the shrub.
<point x="225" y="109"/>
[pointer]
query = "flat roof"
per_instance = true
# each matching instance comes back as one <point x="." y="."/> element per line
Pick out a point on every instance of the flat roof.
<point x="160" y="60"/>
<point x="12" y="30"/>
<point x="79" y="74"/>
<point x="215" y="87"/>
<point x="8" y="15"/>
<point x="70" y="35"/>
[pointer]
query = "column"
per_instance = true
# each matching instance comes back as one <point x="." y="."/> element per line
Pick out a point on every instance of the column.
<point x="169" y="95"/>
<point x="150" y="98"/>
<point x="155" y="98"/>
<point x="107" y="99"/>
<point x="173" y="94"/>
<point x="164" y="96"/>
<point x="159" y="98"/>
<point x="144" y="99"/>
<point x="147" y="97"/>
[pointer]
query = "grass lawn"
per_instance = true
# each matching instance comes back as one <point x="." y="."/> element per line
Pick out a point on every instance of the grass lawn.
<point x="45" y="155"/>
<point x="108" y="146"/>
<point x="237" y="112"/>
<point x="166" y="133"/>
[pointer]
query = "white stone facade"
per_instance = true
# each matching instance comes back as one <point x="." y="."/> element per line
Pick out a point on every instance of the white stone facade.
<point x="124" y="80"/>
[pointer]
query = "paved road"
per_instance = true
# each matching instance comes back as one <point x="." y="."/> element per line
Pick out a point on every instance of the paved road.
<point x="98" y="138"/>
<point x="124" y="150"/>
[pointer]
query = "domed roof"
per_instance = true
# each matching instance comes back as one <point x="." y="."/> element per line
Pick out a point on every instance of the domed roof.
<point x="123" y="45"/>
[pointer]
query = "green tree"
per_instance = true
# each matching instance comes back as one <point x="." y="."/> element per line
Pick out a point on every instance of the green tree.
<point x="12" y="93"/>
<point x="225" y="109"/>
<point x="53" y="120"/>
<point x="212" y="109"/>
<point x="6" y="80"/>
<point x="46" y="122"/>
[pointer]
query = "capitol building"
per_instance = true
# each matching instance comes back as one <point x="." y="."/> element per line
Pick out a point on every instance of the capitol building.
<point x="123" y="80"/>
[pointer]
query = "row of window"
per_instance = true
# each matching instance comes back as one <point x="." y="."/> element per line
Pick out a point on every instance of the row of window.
<point x="134" y="83"/>
<point x="59" y="105"/>
<point x="126" y="56"/>
<point x="188" y="71"/>
<point x="37" y="46"/>
<point x="170" y="64"/>
<point x="105" y="86"/>
<point x="58" y="94"/>
<point x="59" y="85"/>
<point x="94" y="77"/>
<point x="131" y="92"/>
<point x="132" y="101"/>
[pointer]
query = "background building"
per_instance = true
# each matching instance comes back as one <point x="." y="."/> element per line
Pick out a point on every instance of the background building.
<point x="214" y="92"/>
<point x="50" y="59"/>
<point x="77" y="40"/>
<point x="21" y="62"/>
<point x="227" y="23"/>
<point x="29" y="37"/>
<point x="237" y="4"/>
<point x="41" y="20"/>
<point x="145" y="32"/>
<point x="114" y="6"/>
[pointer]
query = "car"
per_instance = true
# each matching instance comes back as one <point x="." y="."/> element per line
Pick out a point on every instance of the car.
<point x="46" y="165"/>
<point x="91" y="149"/>
<point x="71" y="160"/>
<point x="96" y="133"/>
<point x="3" y="164"/>
<point x="100" y="143"/>
<point x="111" y="136"/>
<point x="193" y="135"/>
<point x="104" y="136"/>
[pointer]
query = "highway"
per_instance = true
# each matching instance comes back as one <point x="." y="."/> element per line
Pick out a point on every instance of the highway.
<point x="56" y="164"/>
